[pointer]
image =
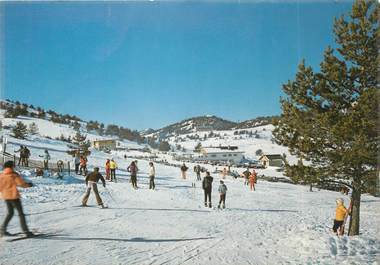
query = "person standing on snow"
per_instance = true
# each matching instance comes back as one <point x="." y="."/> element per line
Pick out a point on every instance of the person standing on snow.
<point x="9" y="180"/>
<point x="46" y="157"/>
<point x="113" y="167"/>
<point x="222" y="192"/>
<point x="207" y="188"/>
<point x="252" y="180"/>
<point x="108" y="169"/>
<point x="246" y="175"/>
<point x="26" y="156"/>
<point x="152" y="174"/>
<point x="133" y="170"/>
<point x="184" y="168"/>
<point x="224" y="173"/>
<point x="83" y="165"/>
<point x="77" y="162"/>
<point x="341" y="214"/>
<point x="21" y="159"/>
<point x="91" y="183"/>
<point x="198" y="170"/>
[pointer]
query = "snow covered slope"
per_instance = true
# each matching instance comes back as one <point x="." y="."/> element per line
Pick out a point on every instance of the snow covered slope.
<point x="277" y="224"/>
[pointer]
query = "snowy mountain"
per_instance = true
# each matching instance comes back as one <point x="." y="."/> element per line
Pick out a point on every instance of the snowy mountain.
<point x="196" y="124"/>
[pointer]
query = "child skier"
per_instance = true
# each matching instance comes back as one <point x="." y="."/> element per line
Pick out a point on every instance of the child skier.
<point x="9" y="180"/>
<point x="341" y="214"/>
<point x="83" y="166"/>
<point x="207" y="187"/>
<point x="152" y="173"/>
<point x="91" y="183"/>
<point x="222" y="191"/>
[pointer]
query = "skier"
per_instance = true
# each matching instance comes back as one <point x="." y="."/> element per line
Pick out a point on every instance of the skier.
<point x="83" y="166"/>
<point x="91" y="183"/>
<point x="113" y="167"/>
<point x="108" y="169"/>
<point x="26" y="156"/>
<point x="207" y="187"/>
<point x="60" y="169"/>
<point x="21" y="159"/>
<point x="77" y="163"/>
<point x="224" y="173"/>
<point x="341" y="214"/>
<point x="222" y="191"/>
<point x="252" y="180"/>
<point x="246" y="175"/>
<point x="133" y="170"/>
<point x="197" y="170"/>
<point x="184" y="168"/>
<point x="46" y="157"/>
<point x="9" y="180"/>
<point x="152" y="173"/>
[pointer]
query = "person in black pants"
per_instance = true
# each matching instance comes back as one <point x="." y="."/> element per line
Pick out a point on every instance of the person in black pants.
<point x="207" y="187"/>
<point x="9" y="180"/>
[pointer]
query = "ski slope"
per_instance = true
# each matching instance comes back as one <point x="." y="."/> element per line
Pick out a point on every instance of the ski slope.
<point x="277" y="224"/>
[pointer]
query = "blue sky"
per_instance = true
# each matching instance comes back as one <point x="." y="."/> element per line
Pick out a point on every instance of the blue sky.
<point x="148" y="64"/>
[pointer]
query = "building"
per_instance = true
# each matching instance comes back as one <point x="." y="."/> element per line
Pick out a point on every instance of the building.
<point x="221" y="155"/>
<point x="271" y="160"/>
<point x="109" y="144"/>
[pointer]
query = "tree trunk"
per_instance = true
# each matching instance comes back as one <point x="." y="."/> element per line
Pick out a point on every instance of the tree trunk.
<point x="311" y="187"/>
<point x="353" y="229"/>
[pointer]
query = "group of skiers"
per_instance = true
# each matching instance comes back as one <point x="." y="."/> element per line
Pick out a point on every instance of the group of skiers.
<point x="24" y="156"/>
<point x="9" y="180"/>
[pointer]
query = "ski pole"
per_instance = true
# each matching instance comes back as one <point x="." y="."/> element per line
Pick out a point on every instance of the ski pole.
<point x="109" y="193"/>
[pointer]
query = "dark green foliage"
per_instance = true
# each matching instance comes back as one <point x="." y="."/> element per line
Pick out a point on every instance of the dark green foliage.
<point x="20" y="131"/>
<point x="330" y="118"/>
<point x="164" y="146"/>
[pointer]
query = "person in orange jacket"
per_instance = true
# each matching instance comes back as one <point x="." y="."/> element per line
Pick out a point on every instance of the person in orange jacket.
<point x="252" y="180"/>
<point x="108" y="169"/>
<point x="83" y="166"/>
<point x="9" y="180"/>
<point x="341" y="214"/>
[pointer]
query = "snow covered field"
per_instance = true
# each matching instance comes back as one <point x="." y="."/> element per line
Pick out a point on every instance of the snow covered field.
<point x="277" y="224"/>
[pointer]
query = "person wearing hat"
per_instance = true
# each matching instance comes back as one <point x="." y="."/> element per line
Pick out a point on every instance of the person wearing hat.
<point x="340" y="217"/>
<point x="91" y="183"/>
<point x="222" y="191"/>
<point x="9" y="180"/>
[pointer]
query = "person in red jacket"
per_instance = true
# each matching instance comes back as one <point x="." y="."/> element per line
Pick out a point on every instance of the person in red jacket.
<point x="252" y="180"/>
<point x="108" y="169"/>
<point x="9" y="180"/>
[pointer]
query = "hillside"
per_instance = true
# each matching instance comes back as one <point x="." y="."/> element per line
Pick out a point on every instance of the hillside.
<point x="196" y="124"/>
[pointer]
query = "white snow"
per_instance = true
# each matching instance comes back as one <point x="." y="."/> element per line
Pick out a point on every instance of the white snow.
<point x="277" y="224"/>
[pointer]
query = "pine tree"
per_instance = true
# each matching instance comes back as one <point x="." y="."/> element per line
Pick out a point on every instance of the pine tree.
<point x="20" y="131"/>
<point x="198" y="148"/>
<point x="164" y="146"/>
<point x="33" y="128"/>
<point x="79" y="140"/>
<point x="330" y="118"/>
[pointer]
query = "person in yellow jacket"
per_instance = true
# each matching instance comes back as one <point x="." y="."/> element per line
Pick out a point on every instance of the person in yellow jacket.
<point x="9" y="180"/>
<point x="341" y="214"/>
<point x="113" y="167"/>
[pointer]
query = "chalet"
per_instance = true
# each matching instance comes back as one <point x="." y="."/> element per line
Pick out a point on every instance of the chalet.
<point x="221" y="155"/>
<point x="271" y="160"/>
<point x="109" y="144"/>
